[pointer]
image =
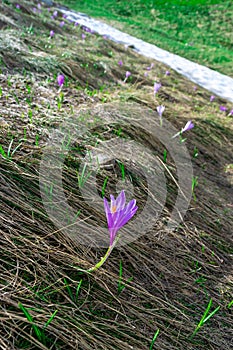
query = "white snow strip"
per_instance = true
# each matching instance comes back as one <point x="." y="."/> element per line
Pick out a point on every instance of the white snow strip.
<point x="211" y="80"/>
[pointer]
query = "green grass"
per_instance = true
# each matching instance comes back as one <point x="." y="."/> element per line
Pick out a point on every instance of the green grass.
<point x="200" y="31"/>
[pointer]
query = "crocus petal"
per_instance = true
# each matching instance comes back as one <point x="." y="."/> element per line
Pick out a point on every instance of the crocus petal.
<point x="212" y="97"/>
<point x="106" y="206"/>
<point x="120" y="201"/>
<point x="157" y="86"/>
<point x="223" y="108"/>
<point x="127" y="217"/>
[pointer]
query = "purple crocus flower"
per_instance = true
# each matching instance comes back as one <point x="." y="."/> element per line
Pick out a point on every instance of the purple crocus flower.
<point x="51" y="34"/>
<point x="55" y="14"/>
<point x="223" y="108"/>
<point x="157" y="86"/>
<point x="167" y="72"/>
<point x="120" y="63"/>
<point x="212" y="97"/>
<point x="118" y="214"/>
<point x="76" y="24"/>
<point x="64" y="15"/>
<point x="150" y="67"/>
<point x="17" y="6"/>
<point x="62" y="24"/>
<point x="160" y="110"/>
<point x="127" y="74"/>
<point x="83" y="36"/>
<point x="188" y="126"/>
<point x="60" y="79"/>
<point x="39" y="6"/>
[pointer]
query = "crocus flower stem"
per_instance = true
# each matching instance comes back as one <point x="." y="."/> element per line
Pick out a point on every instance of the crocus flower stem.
<point x="104" y="258"/>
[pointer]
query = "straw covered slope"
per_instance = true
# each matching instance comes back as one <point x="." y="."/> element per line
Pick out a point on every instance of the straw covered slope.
<point x="162" y="279"/>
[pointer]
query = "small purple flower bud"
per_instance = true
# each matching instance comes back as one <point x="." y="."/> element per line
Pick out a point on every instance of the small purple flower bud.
<point x="76" y="24"/>
<point x="55" y="14"/>
<point x="83" y="36"/>
<point x="157" y="86"/>
<point x="212" y="97"/>
<point x="150" y="67"/>
<point x="120" y="63"/>
<point x="39" y="6"/>
<point x="51" y="33"/>
<point x="62" y="24"/>
<point x="223" y="108"/>
<point x="127" y="74"/>
<point x="231" y="112"/>
<point x="189" y="125"/>
<point x="17" y="6"/>
<point x="60" y="79"/>
<point x="64" y="15"/>
<point x="160" y="110"/>
<point x="167" y="72"/>
<point x="194" y="88"/>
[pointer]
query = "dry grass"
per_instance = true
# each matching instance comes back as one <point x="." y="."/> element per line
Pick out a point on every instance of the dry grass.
<point x="174" y="273"/>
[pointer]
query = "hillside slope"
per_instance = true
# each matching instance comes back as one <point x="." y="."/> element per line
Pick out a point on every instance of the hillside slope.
<point x="161" y="279"/>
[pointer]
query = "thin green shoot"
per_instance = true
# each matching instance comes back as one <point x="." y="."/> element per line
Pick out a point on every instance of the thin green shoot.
<point x="83" y="177"/>
<point x="39" y="332"/>
<point x="10" y="152"/>
<point x="104" y="186"/>
<point x="205" y="318"/>
<point x="120" y="285"/>
<point x="28" y="87"/>
<point x="165" y="156"/>
<point x="78" y="289"/>
<point x="195" y="152"/>
<point x="60" y="100"/>
<point x="154" y="339"/>
<point x="118" y="132"/>
<point x="30" y="115"/>
<point x="230" y="304"/>
<point x="74" y="299"/>
<point x="69" y="289"/>
<point x="50" y="319"/>
<point x="76" y="216"/>
<point x="16" y="97"/>
<point x="122" y="168"/>
<point x="194" y="185"/>
<point x="3" y="153"/>
<point x="30" y="319"/>
<point x="37" y="140"/>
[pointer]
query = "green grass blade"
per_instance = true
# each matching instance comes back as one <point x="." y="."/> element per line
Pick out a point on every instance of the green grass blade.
<point x="154" y="339"/>
<point x="50" y="319"/>
<point x="78" y="288"/>
<point x="30" y="319"/>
